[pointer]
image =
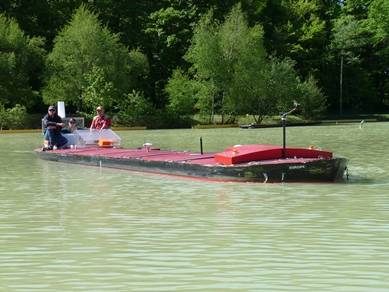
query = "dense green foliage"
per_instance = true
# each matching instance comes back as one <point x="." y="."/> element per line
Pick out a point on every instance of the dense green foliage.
<point x="178" y="58"/>
<point x="20" y="59"/>
<point x="14" y="118"/>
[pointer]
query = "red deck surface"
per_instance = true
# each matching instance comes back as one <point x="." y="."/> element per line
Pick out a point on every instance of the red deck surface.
<point x="255" y="152"/>
<point x="266" y="154"/>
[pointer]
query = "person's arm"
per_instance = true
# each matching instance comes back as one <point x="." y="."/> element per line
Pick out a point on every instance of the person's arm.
<point x="92" y="126"/>
<point x="48" y="124"/>
<point x="107" y="123"/>
<point x="59" y="122"/>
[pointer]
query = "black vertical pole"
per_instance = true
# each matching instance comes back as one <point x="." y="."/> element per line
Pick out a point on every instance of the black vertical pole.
<point x="341" y="87"/>
<point x="201" y="145"/>
<point x="296" y="108"/>
<point x="284" y="136"/>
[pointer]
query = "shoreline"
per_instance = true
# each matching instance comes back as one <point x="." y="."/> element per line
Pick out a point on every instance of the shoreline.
<point x="40" y="130"/>
<point x="252" y="126"/>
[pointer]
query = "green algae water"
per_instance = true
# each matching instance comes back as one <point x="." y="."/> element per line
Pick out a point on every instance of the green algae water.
<point x="74" y="228"/>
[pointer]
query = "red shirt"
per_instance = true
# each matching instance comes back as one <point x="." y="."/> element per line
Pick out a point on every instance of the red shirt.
<point x="100" y="122"/>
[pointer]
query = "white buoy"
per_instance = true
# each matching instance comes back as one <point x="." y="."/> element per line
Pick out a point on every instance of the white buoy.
<point x="148" y="146"/>
<point x="61" y="109"/>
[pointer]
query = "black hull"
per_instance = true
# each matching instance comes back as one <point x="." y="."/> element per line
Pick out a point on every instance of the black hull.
<point x="319" y="170"/>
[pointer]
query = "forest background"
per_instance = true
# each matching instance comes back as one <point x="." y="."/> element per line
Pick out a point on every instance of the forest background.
<point x="162" y="63"/>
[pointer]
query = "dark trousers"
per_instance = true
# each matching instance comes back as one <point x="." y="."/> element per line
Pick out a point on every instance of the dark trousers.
<point x="58" y="140"/>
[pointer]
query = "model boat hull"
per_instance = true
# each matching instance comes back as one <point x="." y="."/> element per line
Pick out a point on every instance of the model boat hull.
<point x="252" y="163"/>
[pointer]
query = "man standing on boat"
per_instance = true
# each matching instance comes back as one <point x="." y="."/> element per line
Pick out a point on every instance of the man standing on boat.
<point x="101" y="121"/>
<point x="53" y="125"/>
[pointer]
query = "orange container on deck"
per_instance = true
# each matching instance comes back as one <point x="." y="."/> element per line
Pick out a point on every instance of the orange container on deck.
<point x="106" y="143"/>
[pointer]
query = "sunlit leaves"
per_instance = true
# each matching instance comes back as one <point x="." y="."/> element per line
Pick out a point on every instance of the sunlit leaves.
<point x="88" y="64"/>
<point x="231" y="66"/>
<point x="348" y="38"/>
<point x="312" y="99"/>
<point x="20" y="57"/>
<point x="378" y="22"/>
<point x="181" y="93"/>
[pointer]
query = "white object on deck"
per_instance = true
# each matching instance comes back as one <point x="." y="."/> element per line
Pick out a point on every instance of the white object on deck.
<point x="61" y="109"/>
<point x="84" y="138"/>
<point x="148" y="146"/>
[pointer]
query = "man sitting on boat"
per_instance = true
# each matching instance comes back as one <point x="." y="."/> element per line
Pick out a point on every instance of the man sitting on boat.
<point x="53" y="125"/>
<point x="101" y="121"/>
<point x="72" y="126"/>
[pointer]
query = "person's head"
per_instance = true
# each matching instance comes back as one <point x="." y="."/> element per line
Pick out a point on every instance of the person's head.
<point x="52" y="110"/>
<point x="100" y="111"/>
<point x="72" y="122"/>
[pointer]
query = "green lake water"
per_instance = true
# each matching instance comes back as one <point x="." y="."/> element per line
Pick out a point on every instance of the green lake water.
<point x="73" y="228"/>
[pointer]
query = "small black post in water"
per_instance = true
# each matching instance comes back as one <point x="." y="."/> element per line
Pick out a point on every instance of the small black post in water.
<point x="201" y="145"/>
<point x="296" y="109"/>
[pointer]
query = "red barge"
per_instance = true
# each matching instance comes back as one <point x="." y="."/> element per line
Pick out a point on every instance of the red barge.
<point x="247" y="163"/>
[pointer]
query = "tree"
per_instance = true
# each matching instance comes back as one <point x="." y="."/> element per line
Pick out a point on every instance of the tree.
<point x="230" y="58"/>
<point x="351" y="56"/>
<point x="312" y="100"/>
<point x="20" y="58"/>
<point x="166" y="34"/>
<point x="378" y="23"/>
<point x="378" y="18"/>
<point x="231" y="72"/>
<point x="167" y="31"/>
<point x="181" y="94"/>
<point x="14" y="118"/>
<point x="134" y="109"/>
<point x="244" y="56"/>
<point x="88" y="65"/>
<point x="281" y="87"/>
<point x="301" y="33"/>
<point x="204" y="55"/>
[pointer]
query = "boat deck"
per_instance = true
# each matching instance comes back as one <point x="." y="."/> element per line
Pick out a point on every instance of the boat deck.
<point x="245" y="156"/>
<point x="244" y="163"/>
